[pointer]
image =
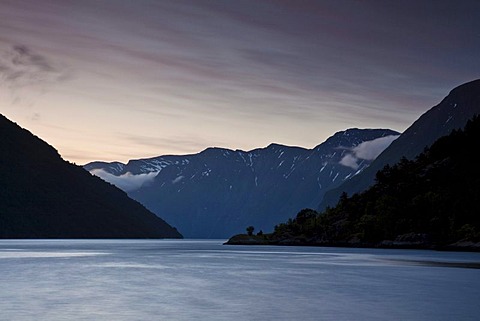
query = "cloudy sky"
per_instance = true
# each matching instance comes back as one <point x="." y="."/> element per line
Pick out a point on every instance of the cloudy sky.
<point x="122" y="79"/>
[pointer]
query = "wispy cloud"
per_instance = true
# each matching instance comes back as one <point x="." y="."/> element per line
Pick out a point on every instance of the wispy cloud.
<point x="371" y="149"/>
<point x="368" y="150"/>
<point x="349" y="160"/>
<point x="127" y="182"/>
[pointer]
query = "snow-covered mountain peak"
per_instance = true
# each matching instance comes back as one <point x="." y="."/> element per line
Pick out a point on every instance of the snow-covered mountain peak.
<point x="216" y="192"/>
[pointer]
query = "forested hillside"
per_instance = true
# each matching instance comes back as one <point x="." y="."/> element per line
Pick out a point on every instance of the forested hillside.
<point x="428" y="202"/>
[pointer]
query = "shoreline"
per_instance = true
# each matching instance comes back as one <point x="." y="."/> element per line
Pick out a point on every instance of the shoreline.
<point x="460" y="246"/>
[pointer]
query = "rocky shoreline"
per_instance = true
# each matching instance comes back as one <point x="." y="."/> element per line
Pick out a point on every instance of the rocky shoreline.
<point x="404" y="242"/>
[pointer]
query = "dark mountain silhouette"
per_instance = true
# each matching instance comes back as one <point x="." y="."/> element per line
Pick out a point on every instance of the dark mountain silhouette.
<point x="216" y="193"/>
<point x="453" y="112"/>
<point x="43" y="196"/>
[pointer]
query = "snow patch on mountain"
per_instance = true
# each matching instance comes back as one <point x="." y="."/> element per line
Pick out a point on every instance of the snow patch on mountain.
<point x="178" y="179"/>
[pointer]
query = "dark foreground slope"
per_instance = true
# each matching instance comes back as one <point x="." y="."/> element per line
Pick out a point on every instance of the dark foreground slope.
<point x="429" y="202"/>
<point x="453" y="112"/>
<point x="42" y="196"/>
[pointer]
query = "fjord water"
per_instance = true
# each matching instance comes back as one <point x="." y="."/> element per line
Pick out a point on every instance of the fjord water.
<point x="205" y="280"/>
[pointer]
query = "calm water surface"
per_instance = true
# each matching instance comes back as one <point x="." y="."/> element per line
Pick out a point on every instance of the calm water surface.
<point x="205" y="280"/>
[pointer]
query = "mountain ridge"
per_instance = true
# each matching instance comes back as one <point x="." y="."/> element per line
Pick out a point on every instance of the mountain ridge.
<point x="119" y="167"/>
<point x="218" y="190"/>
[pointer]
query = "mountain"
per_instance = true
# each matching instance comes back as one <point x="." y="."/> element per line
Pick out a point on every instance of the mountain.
<point x="453" y="112"/>
<point x="429" y="202"/>
<point x="218" y="192"/>
<point x="43" y="196"/>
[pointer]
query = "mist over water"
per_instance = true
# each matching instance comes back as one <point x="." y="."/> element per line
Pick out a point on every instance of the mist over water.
<point x="205" y="280"/>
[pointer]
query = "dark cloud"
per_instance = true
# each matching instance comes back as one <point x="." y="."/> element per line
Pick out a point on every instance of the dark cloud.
<point x="22" y="67"/>
<point x="36" y="116"/>
<point x="24" y="57"/>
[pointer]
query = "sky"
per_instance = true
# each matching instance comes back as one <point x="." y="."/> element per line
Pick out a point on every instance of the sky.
<point x="115" y="80"/>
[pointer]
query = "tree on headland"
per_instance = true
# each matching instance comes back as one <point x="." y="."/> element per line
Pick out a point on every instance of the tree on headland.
<point x="250" y="230"/>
